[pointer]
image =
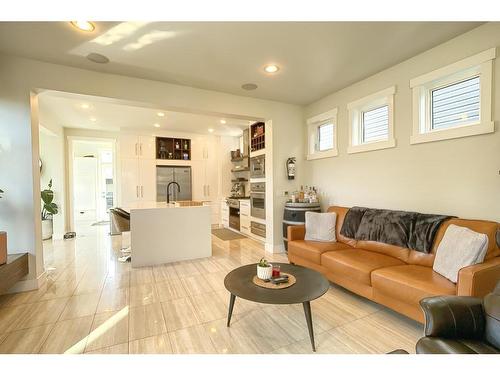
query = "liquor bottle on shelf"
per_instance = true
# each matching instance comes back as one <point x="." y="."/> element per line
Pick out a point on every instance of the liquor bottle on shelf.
<point x="177" y="146"/>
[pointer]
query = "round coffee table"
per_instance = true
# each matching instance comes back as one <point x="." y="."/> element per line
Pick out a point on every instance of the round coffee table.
<point x="310" y="285"/>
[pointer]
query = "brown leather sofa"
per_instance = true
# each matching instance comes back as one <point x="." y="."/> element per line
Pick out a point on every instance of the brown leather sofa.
<point x="391" y="275"/>
<point x="461" y="325"/>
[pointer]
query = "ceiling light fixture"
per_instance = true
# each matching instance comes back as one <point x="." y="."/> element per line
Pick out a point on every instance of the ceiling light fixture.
<point x="210" y="130"/>
<point x="85" y="106"/>
<point x="222" y="121"/>
<point x="271" y="68"/>
<point x="161" y="114"/>
<point x="83" y="25"/>
<point x="93" y="119"/>
<point x="156" y="125"/>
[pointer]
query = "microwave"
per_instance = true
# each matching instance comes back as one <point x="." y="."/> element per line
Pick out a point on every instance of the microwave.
<point x="258" y="166"/>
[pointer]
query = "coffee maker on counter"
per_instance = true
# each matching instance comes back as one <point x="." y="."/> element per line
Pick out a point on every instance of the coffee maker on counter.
<point x="238" y="190"/>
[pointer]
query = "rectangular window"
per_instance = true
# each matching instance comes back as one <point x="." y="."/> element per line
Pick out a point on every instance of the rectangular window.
<point x="454" y="101"/>
<point x="375" y="124"/>
<point x="325" y="137"/>
<point x="457" y="104"/>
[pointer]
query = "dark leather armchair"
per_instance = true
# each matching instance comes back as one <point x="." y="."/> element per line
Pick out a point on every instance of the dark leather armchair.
<point x="461" y="325"/>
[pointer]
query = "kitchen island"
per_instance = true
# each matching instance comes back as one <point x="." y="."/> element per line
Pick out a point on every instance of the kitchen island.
<point x="164" y="233"/>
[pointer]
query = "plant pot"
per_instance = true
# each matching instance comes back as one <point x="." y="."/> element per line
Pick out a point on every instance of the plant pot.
<point x="264" y="273"/>
<point x="3" y="248"/>
<point x="47" y="229"/>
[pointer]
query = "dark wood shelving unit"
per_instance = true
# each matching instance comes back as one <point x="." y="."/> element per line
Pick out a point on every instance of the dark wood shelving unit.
<point x="234" y="160"/>
<point x="257" y="136"/>
<point x="173" y="148"/>
<point x="236" y="180"/>
<point x="246" y="169"/>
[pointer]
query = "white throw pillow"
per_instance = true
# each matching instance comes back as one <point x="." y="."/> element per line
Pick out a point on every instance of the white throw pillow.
<point x="459" y="248"/>
<point x="321" y="226"/>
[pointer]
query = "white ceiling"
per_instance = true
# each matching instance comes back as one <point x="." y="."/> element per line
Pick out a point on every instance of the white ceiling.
<point x="316" y="58"/>
<point x="66" y="109"/>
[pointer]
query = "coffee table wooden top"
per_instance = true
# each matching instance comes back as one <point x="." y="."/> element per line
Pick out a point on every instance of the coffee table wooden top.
<point x="309" y="286"/>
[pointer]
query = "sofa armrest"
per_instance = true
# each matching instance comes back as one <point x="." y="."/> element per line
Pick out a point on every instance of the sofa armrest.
<point x="453" y="317"/>
<point x="479" y="279"/>
<point x="296" y="232"/>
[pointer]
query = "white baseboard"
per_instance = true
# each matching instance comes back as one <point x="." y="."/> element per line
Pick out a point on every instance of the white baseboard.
<point x="29" y="284"/>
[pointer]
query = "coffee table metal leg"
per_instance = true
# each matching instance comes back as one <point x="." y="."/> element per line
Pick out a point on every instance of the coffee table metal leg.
<point x="307" y="312"/>
<point x="231" y="305"/>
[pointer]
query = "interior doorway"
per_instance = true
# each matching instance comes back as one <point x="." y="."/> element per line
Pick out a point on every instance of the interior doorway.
<point x="92" y="182"/>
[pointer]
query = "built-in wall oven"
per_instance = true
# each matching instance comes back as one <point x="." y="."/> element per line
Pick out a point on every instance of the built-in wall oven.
<point x="258" y="166"/>
<point x="258" y="199"/>
<point x="234" y="213"/>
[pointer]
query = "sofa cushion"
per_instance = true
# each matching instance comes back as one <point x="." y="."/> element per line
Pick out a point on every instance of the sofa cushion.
<point x="438" y="345"/>
<point x="411" y="283"/>
<point x="312" y="250"/>
<point x="356" y="264"/>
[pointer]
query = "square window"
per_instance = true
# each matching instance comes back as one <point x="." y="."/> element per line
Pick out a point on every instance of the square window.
<point x="325" y="137"/>
<point x="376" y="124"/>
<point x="457" y="104"/>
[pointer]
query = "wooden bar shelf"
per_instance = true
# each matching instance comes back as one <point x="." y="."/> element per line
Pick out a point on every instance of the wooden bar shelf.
<point x="173" y="148"/>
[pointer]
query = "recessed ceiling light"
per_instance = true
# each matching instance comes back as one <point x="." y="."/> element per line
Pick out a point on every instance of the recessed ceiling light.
<point x="85" y="106"/>
<point x="249" y="86"/>
<point x="271" y="68"/>
<point x="156" y="125"/>
<point x="161" y="114"/>
<point x="83" y="25"/>
<point x="97" y="58"/>
<point x="222" y="121"/>
<point x="210" y="130"/>
<point x="93" y="119"/>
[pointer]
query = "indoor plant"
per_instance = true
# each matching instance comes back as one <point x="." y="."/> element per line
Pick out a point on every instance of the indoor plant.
<point x="49" y="209"/>
<point x="264" y="269"/>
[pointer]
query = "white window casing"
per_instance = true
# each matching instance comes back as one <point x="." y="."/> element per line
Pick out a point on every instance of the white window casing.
<point x="371" y="122"/>
<point x="323" y="125"/>
<point x="436" y="109"/>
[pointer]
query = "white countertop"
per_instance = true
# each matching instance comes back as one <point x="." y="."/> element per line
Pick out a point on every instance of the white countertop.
<point x="153" y="205"/>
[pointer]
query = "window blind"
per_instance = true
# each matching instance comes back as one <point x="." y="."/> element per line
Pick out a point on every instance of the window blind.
<point x="325" y="137"/>
<point x="376" y="124"/>
<point x="456" y="104"/>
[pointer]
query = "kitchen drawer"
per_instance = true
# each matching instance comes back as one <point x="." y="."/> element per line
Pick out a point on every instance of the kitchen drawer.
<point x="245" y="210"/>
<point x="245" y="224"/>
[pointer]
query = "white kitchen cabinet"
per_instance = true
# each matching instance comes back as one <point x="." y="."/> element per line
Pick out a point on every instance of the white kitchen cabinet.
<point x="135" y="146"/>
<point x="224" y="210"/>
<point x="138" y="180"/>
<point x="129" y="180"/>
<point x="245" y="216"/>
<point x="147" y="179"/>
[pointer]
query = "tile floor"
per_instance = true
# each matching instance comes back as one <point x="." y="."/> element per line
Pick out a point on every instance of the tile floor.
<point x="92" y="303"/>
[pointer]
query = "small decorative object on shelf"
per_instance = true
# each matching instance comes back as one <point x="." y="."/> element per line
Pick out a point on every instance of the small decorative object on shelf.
<point x="186" y="145"/>
<point x="177" y="146"/>
<point x="264" y="269"/>
<point x="257" y="136"/>
<point x="185" y="156"/>
<point x="276" y="271"/>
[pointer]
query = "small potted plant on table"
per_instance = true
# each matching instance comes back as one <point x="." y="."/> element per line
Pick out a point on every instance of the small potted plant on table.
<point x="264" y="269"/>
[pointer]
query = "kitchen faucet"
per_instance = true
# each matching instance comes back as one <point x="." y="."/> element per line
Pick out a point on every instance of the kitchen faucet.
<point x="168" y="189"/>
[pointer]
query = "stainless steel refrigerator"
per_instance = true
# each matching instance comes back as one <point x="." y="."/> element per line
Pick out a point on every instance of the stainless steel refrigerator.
<point x="167" y="174"/>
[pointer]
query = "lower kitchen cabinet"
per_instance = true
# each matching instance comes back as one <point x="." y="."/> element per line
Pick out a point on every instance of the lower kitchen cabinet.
<point x="224" y="212"/>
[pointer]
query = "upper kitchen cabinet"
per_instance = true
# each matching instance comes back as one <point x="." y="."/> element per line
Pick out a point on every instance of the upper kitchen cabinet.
<point x="134" y="146"/>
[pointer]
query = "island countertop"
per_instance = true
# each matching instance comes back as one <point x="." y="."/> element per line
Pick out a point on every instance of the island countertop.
<point x="154" y="205"/>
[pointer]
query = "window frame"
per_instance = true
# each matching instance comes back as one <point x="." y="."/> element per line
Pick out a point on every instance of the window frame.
<point x="356" y="110"/>
<point x="479" y="65"/>
<point x="313" y="125"/>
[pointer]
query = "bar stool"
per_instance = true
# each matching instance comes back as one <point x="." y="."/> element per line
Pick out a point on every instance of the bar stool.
<point x="121" y="222"/>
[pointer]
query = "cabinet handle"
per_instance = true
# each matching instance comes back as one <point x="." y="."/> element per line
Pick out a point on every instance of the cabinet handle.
<point x="140" y="149"/>
<point x="208" y="190"/>
<point x="136" y="149"/>
<point x="142" y="195"/>
<point x="137" y="191"/>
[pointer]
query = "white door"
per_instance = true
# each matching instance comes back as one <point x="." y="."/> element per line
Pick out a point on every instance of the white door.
<point x="147" y="147"/>
<point x="147" y="186"/>
<point x="85" y="189"/>
<point x="129" y="181"/>
<point x="129" y="146"/>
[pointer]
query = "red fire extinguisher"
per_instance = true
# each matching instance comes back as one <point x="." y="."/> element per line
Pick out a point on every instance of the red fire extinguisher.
<point x="290" y="168"/>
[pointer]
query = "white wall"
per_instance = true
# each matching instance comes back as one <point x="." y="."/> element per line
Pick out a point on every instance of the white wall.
<point x="458" y="177"/>
<point x="53" y="167"/>
<point x="19" y="138"/>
